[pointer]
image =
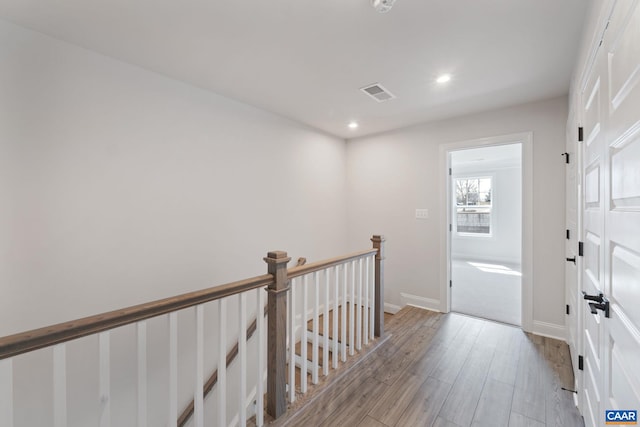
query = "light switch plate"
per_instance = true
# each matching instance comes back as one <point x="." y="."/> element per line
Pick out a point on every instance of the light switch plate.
<point x="422" y="213"/>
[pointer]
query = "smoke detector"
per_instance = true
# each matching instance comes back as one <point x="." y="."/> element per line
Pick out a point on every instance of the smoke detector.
<point x="382" y="6"/>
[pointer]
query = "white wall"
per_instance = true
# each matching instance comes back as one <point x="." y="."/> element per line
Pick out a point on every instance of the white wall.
<point x="119" y="185"/>
<point x="505" y="242"/>
<point x="392" y="174"/>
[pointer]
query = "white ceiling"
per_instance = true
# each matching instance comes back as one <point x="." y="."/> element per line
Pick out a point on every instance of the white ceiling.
<point x="307" y="59"/>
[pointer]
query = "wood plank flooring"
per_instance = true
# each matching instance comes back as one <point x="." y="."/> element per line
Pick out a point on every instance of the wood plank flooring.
<point x="449" y="370"/>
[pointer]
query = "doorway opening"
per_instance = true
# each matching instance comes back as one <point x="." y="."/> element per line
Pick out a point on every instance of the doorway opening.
<point x="486" y="232"/>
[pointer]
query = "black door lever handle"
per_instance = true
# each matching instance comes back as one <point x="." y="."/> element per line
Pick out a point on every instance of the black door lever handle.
<point x="597" y="298"/>
<point x="601" y="303"/>
<point x="595" y="307"/>
<point x="573" y="260"/>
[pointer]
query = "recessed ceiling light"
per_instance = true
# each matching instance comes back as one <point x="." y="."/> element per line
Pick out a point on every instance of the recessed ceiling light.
<point x="443" y="78"/>
<point x="353" y="125"/>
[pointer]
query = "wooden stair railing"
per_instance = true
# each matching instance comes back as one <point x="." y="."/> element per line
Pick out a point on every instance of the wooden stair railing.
<point x="277" y="284"/>
<point x="14" y="345"/>
<point x="231" y="356"/>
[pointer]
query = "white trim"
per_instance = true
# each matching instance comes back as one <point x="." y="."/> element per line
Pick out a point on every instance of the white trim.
<point x="391" y="308"/>
<point x="526" y="138"/>
<point x="550" y="330"/>
<point x="527" y="232"/>
<point x="422" y="302"/>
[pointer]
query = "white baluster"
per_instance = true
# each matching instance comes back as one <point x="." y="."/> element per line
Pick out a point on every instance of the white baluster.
<point x="105" y="379"/>
<point x="343" y="322"/>
<point x="372" y="293"/>
<point x="222" y="363"/>
<point x="335" y="317"/>
<point x="292" y="341"/>
<point x="352" y="293"/>
<point x="261" y="357"/>
<point x="359" y="308"/>
<point x="325" y="325"/>
<point x="141" y="335"/>
<point x="198" y="397"/>
<point x="59" y="386"/>
<point x="316" y="310"/>
<point x="173" y="369"/>
<point x="365" y="305"/>
<point x="242" y="354"/>
<point x="303" y="338"/>
<point x="6" y="392"/>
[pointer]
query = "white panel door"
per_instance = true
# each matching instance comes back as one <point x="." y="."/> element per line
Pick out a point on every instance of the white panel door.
<point x="592" y="265"/>
<point x="610" y="104"/>
<point x="622" y="216"/>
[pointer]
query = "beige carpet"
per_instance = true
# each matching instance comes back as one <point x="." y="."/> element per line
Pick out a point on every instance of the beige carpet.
<point x="491" y="290"/>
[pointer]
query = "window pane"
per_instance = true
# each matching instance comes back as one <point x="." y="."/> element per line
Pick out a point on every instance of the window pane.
<point x="485" y="185"/>
<point x="473" y="201"/>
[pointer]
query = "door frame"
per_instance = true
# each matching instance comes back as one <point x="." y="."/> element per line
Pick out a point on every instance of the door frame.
<point x="526" y="139"/>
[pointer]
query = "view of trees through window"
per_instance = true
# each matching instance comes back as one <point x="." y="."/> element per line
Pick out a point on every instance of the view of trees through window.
<point x="473" y="205"/>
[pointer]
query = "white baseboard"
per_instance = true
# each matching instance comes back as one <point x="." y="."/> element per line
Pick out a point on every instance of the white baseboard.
<point x="550" y="330"/>
<point x="391" y="308"/>
<point x="422" y="302"/>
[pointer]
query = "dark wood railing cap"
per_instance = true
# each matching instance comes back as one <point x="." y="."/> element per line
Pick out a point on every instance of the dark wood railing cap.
<point x="331" y="262"/>
<point x="277" y="257"/>
<point x="277" y="254"/>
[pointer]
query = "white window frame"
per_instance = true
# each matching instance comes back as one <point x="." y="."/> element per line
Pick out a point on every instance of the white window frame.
<point x="492" y="227"/>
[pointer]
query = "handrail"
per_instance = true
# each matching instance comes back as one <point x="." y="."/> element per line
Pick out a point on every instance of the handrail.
<point x="277" y="282"/>
<point x="321" y="265"/>
<point x="35" y="339"/>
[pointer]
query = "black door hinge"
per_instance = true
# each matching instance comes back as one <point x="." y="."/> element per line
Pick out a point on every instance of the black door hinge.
<point x="568" y="234"/>
<point x="450" y="227"/>
<point x="580" y="249"/>
<point x="581" y="363"/>
<point x="451" y="283"/>
<point x="449" y="171"/>
<point x="568" y="309"/>
<point x="566" y="160"/>
<point x="580" y="134"/>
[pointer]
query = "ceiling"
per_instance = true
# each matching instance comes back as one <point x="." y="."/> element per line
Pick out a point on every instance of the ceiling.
<point x="306" y="60"/>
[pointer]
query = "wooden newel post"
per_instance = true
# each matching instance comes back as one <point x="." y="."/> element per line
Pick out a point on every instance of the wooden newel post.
<point x="378" y="323"/>
<point x="277" y="333"/>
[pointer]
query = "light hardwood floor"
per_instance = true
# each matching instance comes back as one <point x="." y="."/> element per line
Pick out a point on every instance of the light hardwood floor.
<point x="447" y="371"/>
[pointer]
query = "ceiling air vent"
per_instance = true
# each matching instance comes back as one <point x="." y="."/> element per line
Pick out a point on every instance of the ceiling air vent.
<point x="377" y="92"/>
